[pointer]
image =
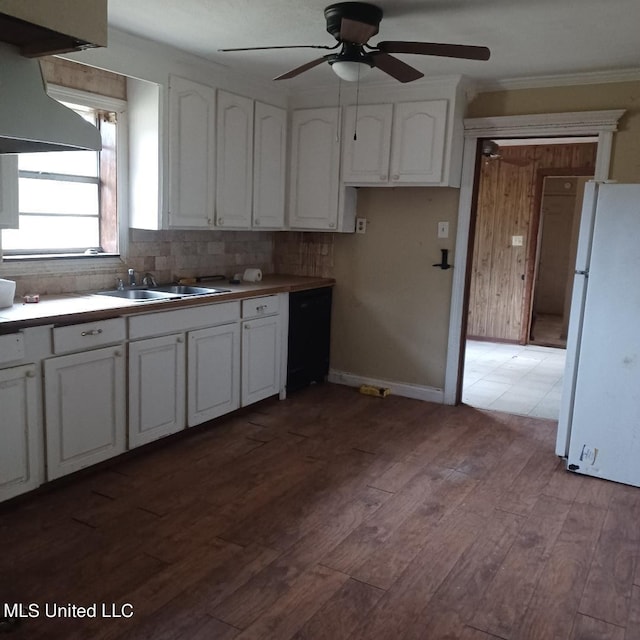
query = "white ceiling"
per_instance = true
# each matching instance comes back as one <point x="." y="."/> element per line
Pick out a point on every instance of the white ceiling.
<point x="527" y="38"/>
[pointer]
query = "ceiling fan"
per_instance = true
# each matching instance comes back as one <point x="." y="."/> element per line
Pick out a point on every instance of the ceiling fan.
<point x="352" y="24"/>
<point x="490" y="151"/>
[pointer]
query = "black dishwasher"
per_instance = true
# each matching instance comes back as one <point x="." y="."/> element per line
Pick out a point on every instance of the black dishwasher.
<point x="309" y="337"/>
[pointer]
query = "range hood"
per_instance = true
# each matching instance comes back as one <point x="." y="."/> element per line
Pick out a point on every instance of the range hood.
<point x="32" y="121"/>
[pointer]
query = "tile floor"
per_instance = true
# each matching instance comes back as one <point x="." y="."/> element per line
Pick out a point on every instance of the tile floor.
<point x="525" y="380"/>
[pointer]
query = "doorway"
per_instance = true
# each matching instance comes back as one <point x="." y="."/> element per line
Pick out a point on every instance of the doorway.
<point x="560" y="199"/>
<point x="523" y="240"/>
<point x="602" y="124"/>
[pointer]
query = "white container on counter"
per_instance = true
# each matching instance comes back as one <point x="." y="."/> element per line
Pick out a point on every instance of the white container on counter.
<point x="7" y="293"/>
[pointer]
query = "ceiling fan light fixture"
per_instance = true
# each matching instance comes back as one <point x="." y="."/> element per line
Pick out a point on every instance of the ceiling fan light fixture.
<point x="350" y="70"/>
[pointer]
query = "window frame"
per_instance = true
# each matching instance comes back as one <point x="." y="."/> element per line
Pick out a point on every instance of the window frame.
<point x="108" y="104"/>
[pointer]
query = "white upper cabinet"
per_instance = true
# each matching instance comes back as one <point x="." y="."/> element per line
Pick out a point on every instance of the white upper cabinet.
<point x="234" y="188"/>
<point x="395" y="144"/>
<point x="269" y="166"/>
<point x="367" y="143"/>
<point x="417" y="148"/>
<point x="9" y="192"/>
<point x="192" y="140"/>
<point x="317" y="201"/>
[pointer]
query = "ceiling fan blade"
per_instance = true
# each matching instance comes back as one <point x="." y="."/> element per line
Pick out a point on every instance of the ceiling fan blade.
<point x="394" y="67"/>
<point x="292" y="46"/>
<point x="356" y="32"/>
<point x="468" y="52"/>
<point x="298" y="70"/>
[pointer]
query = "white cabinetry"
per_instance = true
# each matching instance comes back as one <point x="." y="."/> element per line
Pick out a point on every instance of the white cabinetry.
<point x="261" y="350"/>
<point x="156" y="388"/>
<point x="213" y="372"/>
<point x="192" y="148"/>
<point x="8" y="192"/>
<point x="234" y="161"/>
<point x="85" y="409"/>
<point x="269" y="166"/>
<point x="212" y="363"/>
<point x="19" y="450"/>
<point x="400" y="144"/>
<point x="317" y="201"/>
<point x="366" y="159"/>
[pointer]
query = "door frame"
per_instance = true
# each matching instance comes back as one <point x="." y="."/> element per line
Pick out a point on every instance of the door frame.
<point x="582" y="123"/>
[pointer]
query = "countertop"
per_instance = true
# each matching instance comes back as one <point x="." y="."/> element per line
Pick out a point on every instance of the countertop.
<point x="73" y="308"/>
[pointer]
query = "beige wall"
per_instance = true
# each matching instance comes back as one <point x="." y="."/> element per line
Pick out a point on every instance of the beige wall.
<point x="391" y="307"/>
<point x="390" y="321"/>
<point x="625" y="165"/>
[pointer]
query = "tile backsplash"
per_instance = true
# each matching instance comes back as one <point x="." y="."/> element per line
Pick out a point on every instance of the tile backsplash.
<point x="170" y="255"/>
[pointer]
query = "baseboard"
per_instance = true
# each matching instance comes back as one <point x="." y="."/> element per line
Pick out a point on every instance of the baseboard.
<point x="417" y="392"/>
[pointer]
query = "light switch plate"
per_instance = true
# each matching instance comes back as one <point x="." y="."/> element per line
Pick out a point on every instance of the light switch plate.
<point x="443" y="229"/>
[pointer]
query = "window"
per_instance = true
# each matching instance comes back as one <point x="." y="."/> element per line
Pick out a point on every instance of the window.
<point x="68" y="199"/>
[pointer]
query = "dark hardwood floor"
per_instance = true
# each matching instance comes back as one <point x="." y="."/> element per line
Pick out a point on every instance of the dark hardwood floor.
<point x="333" y="515"/>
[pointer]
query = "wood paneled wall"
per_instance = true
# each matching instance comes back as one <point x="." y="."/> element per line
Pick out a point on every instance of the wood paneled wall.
<point x="501" y="272"/>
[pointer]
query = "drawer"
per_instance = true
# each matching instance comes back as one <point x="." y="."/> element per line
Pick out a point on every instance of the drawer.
<point x="262" y="306"/>
<point x="11" y="348"/>
<point x="157" y="324"/>
<point x="79" y="337"/>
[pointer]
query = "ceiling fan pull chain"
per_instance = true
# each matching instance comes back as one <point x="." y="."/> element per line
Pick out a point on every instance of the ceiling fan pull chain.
<point x="355" y="126"/>
<point x="339" y="110"/>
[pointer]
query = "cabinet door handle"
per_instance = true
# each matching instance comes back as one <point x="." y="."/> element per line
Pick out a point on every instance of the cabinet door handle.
<point x="179" y="339"/>
<point x="92" y="332"/>
<point x="117" y="354"/>
<point x="30" y="373"/>
<point x="396" y="177"/>
<point x="220" y="220"/>
<point x="256" y="222"/>
<point x="247" y="326"/>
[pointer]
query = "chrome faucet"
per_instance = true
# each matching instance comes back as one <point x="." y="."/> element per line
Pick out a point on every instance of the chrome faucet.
<point x="149" y="281"/>
<point x="132" y="278"/>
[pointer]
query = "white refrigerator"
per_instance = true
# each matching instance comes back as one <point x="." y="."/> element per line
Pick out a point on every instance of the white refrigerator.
<point x="599" y="422"/>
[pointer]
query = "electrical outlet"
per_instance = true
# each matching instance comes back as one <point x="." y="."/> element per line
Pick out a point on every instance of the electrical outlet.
<point x="443" y="229"/>
<point x="361" y="225"/>
<point x="517" y="241"/>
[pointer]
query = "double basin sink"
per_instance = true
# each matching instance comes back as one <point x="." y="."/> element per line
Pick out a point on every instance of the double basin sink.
<point x="167" y="292"/>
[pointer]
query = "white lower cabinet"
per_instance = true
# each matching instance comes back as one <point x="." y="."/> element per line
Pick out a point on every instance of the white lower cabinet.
<point x="85" y="409"/>
<point x="261" y="349"/>
<point x="20" y="466"/>
<point x="213" y="372"/>
<point x="157" y="388"/>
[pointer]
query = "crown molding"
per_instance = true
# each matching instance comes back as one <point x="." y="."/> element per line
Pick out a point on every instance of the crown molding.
<point x="564" y="80"/>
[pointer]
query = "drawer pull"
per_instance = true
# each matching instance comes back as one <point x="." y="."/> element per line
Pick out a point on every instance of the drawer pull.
<point x="261" y="307"/>
<point x="93" y="332"/>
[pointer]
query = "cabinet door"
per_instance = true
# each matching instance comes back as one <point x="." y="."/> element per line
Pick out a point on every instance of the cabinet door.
<point x="417" y="150"/>
<point x="85" y="409"/>
<point x="157" y="404"/>
<point x="8" y="192"/>
<point x="20" y="463"/>
<point x="260" y="359"/>
<point x="235" y="161"/>
<point x="213" y="373"/>
<point x="192" y="176"/>
<point x="315" y="169"/>
<point x="269" y="166"/>
<point x="366" y="158"/>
